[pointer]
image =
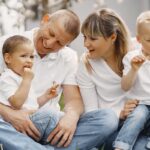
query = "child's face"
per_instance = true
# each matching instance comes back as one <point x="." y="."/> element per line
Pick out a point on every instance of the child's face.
<point x="144" y="38"/>
<point x="22" y="57"/>
<point x="98" y="46"/>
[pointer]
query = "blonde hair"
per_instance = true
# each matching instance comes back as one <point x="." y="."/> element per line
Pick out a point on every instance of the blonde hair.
<point x="144" y="17"/>
<point x="106" y="22"/>
<point x="13" y="42"/>
<point x="70" y="20"/>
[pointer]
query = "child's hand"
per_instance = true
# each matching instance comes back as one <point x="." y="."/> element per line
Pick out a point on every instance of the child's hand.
<point x="137" y="61"/>
<point x="28" y="73"/>
<point x="52" y="92"/>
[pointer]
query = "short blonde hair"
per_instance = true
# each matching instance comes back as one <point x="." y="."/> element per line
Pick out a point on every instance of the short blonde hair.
<point x="70" y="20"/>
<point x="143" y="18"/>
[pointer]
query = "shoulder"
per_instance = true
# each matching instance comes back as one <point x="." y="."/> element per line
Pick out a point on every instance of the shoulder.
<point x="9" y="76"/>
<point x="68" y="54"/>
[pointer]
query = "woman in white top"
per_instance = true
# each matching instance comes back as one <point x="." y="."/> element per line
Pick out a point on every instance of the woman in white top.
<point x="100" y="70"/>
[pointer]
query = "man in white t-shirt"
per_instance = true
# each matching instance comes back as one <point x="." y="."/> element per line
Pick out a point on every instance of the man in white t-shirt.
<point x="53" y="62"/>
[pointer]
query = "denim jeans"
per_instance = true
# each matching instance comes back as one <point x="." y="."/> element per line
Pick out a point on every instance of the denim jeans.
<point x="45" y="120"/>
<point x="92" y="130"/>
<point x="130" y="135"/>
<point x="132" y="127"/>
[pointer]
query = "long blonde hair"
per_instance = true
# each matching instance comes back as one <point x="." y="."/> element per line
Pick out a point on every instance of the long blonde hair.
<point x="106" y="22"/>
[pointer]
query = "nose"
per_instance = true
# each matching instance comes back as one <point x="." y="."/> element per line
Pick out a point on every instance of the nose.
<point x="29" y="60"/>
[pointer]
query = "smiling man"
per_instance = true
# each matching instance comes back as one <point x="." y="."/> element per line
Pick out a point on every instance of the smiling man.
<point x="53" y="61"/>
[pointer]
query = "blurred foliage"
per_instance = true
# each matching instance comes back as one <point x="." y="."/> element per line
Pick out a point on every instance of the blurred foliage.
<point x="61" y="102"/>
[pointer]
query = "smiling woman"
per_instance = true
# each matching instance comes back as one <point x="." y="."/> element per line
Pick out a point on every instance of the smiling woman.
<point x="106" y="38"/>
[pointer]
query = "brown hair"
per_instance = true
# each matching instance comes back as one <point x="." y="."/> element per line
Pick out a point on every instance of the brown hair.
<point x="12" y="42"/>
<point x="106" y="22"/>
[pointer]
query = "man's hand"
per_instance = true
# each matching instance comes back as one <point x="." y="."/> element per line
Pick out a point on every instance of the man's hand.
<point x="137" y="61"/>
<point x="63" y="133"/>
<point x="21" y="122"/>
<point x="129" y="106"/>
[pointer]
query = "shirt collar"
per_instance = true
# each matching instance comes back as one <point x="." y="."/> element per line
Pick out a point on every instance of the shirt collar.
<point x="50" y="56"/>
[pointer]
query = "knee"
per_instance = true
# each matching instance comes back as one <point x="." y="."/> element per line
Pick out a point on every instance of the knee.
<point x="140" y="114"/>
<point x="110" y="120"/>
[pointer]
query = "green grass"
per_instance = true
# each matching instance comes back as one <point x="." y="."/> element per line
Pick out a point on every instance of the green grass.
<point x="61" y="102"/>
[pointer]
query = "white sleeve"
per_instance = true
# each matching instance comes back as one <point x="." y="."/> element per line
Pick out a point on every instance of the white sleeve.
<point x="72" y="65"/>
<point x="87" y="88"/>
<point x="127" y="64"/>
<point x="7" y="88"/>
<point x="127" y="60"/>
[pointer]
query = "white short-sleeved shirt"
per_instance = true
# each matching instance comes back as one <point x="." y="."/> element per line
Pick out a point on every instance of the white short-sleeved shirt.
<point x="141" y="87"/>
<point x="60" y="67"/>
<point x="102" y="88"/>
<point x="9" y="83"/>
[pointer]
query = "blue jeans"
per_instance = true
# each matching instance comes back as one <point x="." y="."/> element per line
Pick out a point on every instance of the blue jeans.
<point x="92" y="130"/>
<point x="131" y="128"/>
<point x="45" y="120"/>
<point x="141" y="140"/>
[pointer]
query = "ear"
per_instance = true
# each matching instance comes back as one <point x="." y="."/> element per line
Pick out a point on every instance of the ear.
<point x="7" y="58"/>
<point x="113" y="37"/>
<point x="45" y="19"/>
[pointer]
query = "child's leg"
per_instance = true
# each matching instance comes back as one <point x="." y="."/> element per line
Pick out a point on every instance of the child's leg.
<point x="45" y="120"/>
<point x="131" y="128"/>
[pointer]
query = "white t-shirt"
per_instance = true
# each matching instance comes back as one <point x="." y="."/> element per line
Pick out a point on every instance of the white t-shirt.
<point x="102" y="88"/>
<point x="60" y="67"/>
<point x="141" y="87"/>
<point x="9" y="83"/>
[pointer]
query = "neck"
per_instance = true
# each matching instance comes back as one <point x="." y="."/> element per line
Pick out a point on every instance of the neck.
<point x="110" y="56"/>
<point x="42" y="55"/>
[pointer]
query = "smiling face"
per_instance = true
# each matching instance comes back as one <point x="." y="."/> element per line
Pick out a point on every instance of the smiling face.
<point x="51" y="37"/>
<point x="20" y="58"/>
<point x="98" y="46"/>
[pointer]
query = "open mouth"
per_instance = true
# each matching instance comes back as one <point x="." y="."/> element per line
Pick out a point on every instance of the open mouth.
<point x="90" y="51"/>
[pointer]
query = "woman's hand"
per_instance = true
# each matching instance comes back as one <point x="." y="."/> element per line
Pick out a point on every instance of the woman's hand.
<point x="129" y="106"/>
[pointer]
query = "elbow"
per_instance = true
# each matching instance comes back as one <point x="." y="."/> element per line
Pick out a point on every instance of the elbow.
<point x="124" y="85"/>
<point x="125" y="88"/>
<point x="16" y="106"/>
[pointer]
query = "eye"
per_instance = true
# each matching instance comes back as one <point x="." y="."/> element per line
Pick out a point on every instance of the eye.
<point x="32" y="56"/>
<point x="93" y="38"/>
<point x="60" y="43"/>
<point x="24" y="56"/>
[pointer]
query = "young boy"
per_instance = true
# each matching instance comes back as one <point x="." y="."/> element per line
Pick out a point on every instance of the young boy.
<point x="16" y="88"/>
<point x="137" y="82"/>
